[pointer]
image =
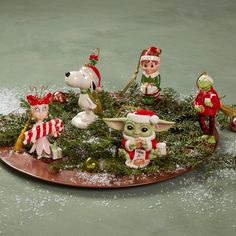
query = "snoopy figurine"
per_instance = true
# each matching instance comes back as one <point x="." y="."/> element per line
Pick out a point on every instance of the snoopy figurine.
<point x="88" y="79"/>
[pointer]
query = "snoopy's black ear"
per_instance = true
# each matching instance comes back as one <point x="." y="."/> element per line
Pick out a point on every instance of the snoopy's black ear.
<point x="93" y="86"/>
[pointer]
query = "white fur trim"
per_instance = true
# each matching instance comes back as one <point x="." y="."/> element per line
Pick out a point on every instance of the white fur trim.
<point x="153" y="75"/>
<point x="212" y="95"/>
<point x="149" y="58"/>
<point x="149" y="145"/>
<point x="154" y="119"/>
<point x="127" y="145"/>
<point x="143" y="118"/>
<point x="26" y="138"/>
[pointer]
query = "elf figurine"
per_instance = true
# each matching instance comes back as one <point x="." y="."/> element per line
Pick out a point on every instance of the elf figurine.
<point x="139" y="145"/>
<point x="206" y="104"/>
<point x="38" y="134"/>
<point x="151" y="79"/>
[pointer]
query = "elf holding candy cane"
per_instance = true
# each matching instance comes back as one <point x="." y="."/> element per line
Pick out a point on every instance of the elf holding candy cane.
<point x="38" y="134"/>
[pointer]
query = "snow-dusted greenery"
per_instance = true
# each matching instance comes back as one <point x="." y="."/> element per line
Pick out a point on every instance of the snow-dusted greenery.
<point x="185" y="149"/>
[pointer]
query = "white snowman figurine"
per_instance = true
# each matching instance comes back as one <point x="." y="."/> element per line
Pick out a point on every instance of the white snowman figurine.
<point x="88" y="79"/>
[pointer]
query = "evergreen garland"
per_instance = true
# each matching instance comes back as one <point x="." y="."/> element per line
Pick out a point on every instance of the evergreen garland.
<point x="184" y="148"/>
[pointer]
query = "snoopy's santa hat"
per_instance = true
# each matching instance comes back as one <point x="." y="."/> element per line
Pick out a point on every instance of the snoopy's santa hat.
<point x="143" y="116"/>
<point x="95" y="72"/>
<point x="151" y="54"/>
<point x="91" y="69"/>
<point x="34" y="100"/>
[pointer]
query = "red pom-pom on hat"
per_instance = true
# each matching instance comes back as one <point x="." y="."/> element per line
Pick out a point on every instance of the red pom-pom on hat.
<point x="93" y="57"/>
<point x="154" y="50"/>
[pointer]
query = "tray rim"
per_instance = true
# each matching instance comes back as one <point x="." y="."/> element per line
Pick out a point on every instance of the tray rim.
<point x="8" y="157"/>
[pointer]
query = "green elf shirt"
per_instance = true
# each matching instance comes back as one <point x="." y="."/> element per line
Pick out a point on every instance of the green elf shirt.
<point x="150" y="85"/>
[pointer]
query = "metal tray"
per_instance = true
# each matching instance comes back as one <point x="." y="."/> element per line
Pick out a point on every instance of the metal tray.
<point x="25" y="163"/>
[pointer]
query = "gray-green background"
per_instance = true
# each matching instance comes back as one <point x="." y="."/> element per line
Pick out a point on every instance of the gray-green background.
<point x="40" y="40"/>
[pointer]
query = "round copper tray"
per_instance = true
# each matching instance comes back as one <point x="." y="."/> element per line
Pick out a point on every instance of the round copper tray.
<point x="25" y="163"/>
<point x="39" y="169"/>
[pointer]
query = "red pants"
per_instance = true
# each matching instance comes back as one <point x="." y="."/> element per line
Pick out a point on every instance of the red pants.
<point x="207" y="130"/>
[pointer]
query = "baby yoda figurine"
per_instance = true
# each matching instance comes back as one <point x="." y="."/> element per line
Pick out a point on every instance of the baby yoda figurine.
<point x="206" y="104"/>
<point x="139" y="144"/>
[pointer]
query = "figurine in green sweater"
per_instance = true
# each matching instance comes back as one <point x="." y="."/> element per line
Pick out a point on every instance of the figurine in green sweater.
<point x="151" y="79"/>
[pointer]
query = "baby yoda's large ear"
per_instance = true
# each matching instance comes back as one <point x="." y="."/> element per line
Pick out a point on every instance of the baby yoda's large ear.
<point x="115" y="123"/>
<point x="163" y="125"/>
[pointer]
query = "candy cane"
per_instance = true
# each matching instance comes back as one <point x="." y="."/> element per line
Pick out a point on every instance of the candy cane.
<point x="53" y="127"/>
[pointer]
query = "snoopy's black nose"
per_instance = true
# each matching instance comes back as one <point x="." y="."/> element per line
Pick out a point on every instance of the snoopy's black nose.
<point x="67" y="74"/>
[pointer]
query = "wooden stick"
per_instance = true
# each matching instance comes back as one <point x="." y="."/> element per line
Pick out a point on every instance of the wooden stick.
<point x="19" y="142"/>
<point x="134" y="76"/>
<point x="229" y="111"/>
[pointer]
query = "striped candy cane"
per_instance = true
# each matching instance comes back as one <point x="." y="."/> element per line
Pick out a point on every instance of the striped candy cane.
<point x="53" y="127"/>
